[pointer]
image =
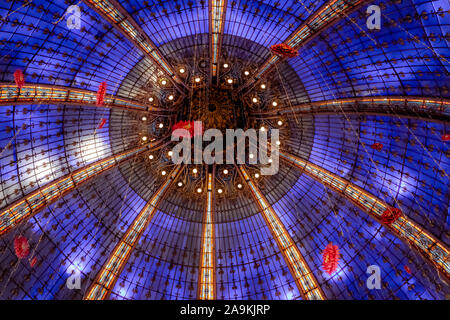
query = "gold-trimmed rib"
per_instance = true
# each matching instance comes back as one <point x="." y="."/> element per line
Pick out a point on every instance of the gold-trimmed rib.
<point x="328" y="14"/>
<point x="217" y="14"/>
<point x="105" y="280"/>
<point x="207" y="276"/>
<point x="304" y="278"/>
<point x="31" y="204"/>
<point x="114" y="13"/>
<point x="35" y="93"/>
<point x="427" y="245"/>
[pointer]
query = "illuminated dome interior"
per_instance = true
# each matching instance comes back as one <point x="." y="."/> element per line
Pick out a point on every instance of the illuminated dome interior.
<point x="363" y="118"/>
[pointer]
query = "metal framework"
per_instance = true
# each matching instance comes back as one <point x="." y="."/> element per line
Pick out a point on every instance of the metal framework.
<point x="48" y="94"/>
<point x="104" y="282"/>
<point x="304" y="278"/>
<point x="324" y="17"/>
<point x="427" y="107"/>
<point x="114" y="13"/>
<point x="217" y="14"/>
<point x="207" y="279"/>
<point x="34" y="202"/>
<point x="426" y="244"/>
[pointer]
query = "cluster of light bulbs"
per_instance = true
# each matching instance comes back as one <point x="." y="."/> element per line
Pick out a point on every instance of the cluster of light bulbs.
<point x="195" y="170"/>
<point x="182" y="70"/>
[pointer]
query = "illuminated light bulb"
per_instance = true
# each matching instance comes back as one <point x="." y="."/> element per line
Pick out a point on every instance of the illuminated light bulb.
<point x="182" y="70"/>
<point x="144" y="138"/>
<point x="163" y="82"/>
<point x="161" y="125"/>
<point x="270" y="160"/>
<point x="256" y="175"/>
<point x="262" y="129"/>
<point x="144" y="118"/>
<point x="225" y="171"/>
<point x="180" y="184"/>
<point x="170" y="153"/>
<point x="226" y="65"/>
<point x="246" y="73"/>
<point x="278" y="143"/>
<point x="197" y="80"/>
<point x="263" y="86"/>
<point x="163" y="173"/>
<point x="199" y="190"/>
<point x="251" y="156"/>
<point x="280" y="123"/>
<point x="274" y="103"/>
<point x="255" y="100"/>
<point x="151" y="157"/>
<point x="151" y="99"/>
<point x="230" y="81"/>
<point x="239" y="186"/>
<point x="194" y="170"/>
<point x="220" y="191"/>
<point x="171" y="97"/>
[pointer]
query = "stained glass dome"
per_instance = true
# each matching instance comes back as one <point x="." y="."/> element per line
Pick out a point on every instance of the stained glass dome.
<point x="92" y="205"/>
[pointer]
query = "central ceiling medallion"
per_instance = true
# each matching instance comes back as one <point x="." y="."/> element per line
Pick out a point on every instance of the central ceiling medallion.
<point x="216" y="108"/>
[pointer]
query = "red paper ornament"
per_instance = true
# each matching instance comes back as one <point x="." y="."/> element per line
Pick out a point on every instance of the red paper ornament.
<point x="330" y="258"/>
<point x="194" y="128"/>
<point x="377" y="146"/>
<point x="33" y="262"/>
<point x="390" y="215"/>
<point x="19" y="78"/>
<point x="407" y="269"/>
<point x="101" y="93"/>
<point x="102" y="123"/>
<point x="445" y="137"/>
<point x="283" y="50"/>
<point x="21" y="247"/>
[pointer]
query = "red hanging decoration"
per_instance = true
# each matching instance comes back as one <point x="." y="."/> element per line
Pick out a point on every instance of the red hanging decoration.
<point x="21" y="246"/>
<point x="446" y="137"/>
<point x="284" y="51"/>
<point x="194" y="128"/>
<point x="19" y="78"/>
<point x="407" y="269"/>
<point x="390" y="215"/>
<point x="330" y="258"/>
<point x="186" y="125"/>
<point x="101" y="93"/>
<point x="33" y="262"/>
<point x="377" y="146"/>
<point x="102" y="123"/>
